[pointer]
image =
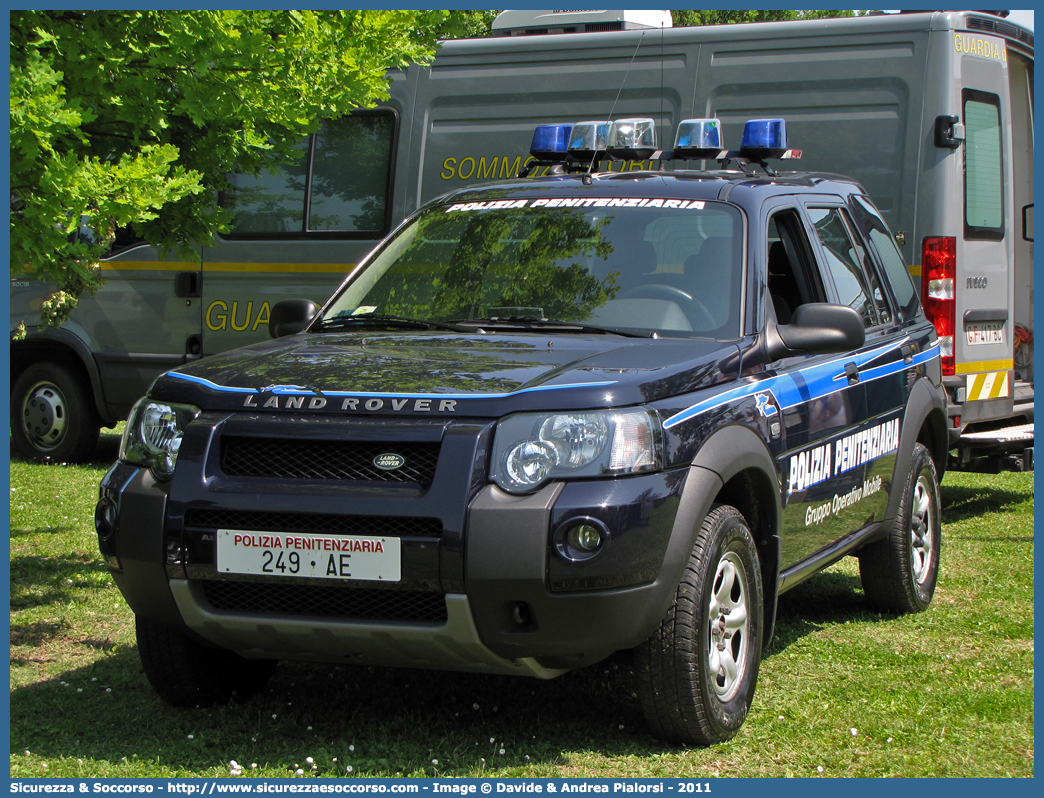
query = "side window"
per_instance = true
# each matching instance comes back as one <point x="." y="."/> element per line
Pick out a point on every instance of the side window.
<point x="983" y="174"/>
<point x="849" y="267"/>
<point x="339" y="183"/>
<point x="792" y="278"/>
<point x="891" y="258"/>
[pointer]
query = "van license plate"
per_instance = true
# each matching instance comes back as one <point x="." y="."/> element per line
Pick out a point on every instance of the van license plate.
<point x="987" y="332"/>
<point x="319" y="556"/>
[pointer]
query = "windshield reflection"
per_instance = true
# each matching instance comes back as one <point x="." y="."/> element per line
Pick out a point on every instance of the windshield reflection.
<point x="675" y="271"/>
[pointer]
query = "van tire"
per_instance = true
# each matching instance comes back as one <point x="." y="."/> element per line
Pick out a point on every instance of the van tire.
<point x="899" y="573"/>
<point x="686" y="693"/>
<point x="53" y="418"/>
<point x="187" y="674"/>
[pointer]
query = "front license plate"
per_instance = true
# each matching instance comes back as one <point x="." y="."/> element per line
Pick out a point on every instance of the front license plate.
<point x="322" y="556"/>
<point x="987" y="332"/>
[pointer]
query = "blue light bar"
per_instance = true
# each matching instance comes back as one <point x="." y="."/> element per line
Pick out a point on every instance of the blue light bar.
<point x="764" y="134"/>
<point x="698" y="134"/>
<point x="588" y="138"/>
<point x="550" y="142"/>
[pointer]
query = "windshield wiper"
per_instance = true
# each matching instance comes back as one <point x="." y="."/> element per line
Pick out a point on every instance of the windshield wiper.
<point x="533" y="323"/>
<point x="381" y="320"/>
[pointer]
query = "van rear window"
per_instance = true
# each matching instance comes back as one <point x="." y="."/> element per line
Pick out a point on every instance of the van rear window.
<point x="983" y="176"/>
<point x="338" y="186"/>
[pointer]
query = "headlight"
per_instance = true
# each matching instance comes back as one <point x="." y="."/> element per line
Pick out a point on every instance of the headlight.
<point x="153" y="435"/>
<point x="531" y="448"/>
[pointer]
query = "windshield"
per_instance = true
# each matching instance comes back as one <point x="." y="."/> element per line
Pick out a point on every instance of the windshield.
<point x="670" y="266"/>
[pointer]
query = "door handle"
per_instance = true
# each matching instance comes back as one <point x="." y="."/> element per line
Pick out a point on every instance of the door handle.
<point x="188" y="284"/>
<point x="852" y="372"/>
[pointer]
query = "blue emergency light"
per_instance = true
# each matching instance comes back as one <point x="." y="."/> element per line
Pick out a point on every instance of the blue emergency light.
<point x="550" y="142"/>
<point x="698" y="138"/>
<point x="588" y="139"/>
<point x="764" y="134"/>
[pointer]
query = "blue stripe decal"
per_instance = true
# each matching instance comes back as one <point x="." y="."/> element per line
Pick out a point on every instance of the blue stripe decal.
<point x="815" y="382"/>
<point x="294" y="390"/>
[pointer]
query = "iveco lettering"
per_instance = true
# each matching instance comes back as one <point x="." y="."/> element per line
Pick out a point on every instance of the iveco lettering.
<point x="547" y="420"/>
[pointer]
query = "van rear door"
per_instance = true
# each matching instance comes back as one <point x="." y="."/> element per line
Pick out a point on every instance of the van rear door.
<point x="984" y="285"/>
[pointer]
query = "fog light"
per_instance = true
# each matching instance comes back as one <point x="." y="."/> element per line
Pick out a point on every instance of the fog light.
<point x="581" y="539"/>
<point x="585" y="537"/>
<point x="105" y="518"/>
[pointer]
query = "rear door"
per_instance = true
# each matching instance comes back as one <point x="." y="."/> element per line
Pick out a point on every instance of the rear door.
<point x="983" y="342"/>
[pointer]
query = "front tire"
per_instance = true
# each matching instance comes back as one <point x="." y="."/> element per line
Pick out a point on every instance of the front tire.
<point x="698" y="671"/>
<point x="899" y="573"/>
<point x="187" y="674"/>
<point x="53" y="418"/>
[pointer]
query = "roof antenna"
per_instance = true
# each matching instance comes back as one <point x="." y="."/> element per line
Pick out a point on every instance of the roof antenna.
<point x="594" y="157"/>
<point x="662" y="126"/>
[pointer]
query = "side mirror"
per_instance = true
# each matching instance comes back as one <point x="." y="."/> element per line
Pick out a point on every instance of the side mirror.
<point x="817" y="328"/>
<point x="290" y="316"/>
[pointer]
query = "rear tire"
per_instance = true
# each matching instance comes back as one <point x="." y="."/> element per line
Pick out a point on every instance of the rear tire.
<point x="187" y="674"/>
<point x="698" y="671"/>
<point x="53" y="418"/>
<point x="899" y="573"/>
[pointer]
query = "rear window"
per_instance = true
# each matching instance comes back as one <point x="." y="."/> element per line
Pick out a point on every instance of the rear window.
<point x="676" y="270"/>
<point x="983" y="175"/>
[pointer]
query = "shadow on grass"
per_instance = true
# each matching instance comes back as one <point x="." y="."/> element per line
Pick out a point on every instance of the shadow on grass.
<point x="30" y="576"/>
<point x="397" y="719"/>
<point x="960" y="503"/>
<point x="104" y="454"/>
<point x="826" y="598"/>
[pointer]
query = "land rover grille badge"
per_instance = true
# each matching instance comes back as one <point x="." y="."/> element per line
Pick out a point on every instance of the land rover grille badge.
<point x="389" y="461"/>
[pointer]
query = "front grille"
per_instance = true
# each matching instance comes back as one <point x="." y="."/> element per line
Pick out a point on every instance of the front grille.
<point x="283" y="458"/>
<point x="264" y="521"/>
<point x="326" y="602"/>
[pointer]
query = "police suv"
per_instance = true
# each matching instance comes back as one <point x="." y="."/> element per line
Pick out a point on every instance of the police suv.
<point x="545" y="421"/>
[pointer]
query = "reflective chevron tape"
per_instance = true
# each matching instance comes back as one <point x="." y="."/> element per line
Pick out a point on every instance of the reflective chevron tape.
<point x="992" y="385"/>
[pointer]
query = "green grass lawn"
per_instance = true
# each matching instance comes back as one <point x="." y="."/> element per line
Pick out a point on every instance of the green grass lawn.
<point x="948" y="692"/>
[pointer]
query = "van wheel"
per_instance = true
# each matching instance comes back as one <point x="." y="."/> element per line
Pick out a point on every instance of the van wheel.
<point x="52" y="415"/>
<point x="697" y="673"/>
<point x="899" y="572"/>
<point x="187" y="674"/>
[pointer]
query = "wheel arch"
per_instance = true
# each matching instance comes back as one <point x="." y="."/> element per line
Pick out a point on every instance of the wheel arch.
<point x="63" y="347"/>
<point x="750" y="483"/>
<point x="925" y="418"/>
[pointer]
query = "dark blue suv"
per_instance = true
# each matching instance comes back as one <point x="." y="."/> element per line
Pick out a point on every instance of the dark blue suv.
<point x="546" y="421"/>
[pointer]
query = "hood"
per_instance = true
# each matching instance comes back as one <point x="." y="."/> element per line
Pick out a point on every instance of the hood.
<point x="463" y="374"/>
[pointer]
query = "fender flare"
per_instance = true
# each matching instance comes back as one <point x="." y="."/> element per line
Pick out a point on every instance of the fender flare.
<point x="922" y="403"/>
<point x="728" y="452"/>
<point x="61" y="337"/>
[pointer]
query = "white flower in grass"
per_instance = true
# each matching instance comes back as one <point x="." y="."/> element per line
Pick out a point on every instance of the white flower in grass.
<point x="435" y="762"/>
<point x="492" y="740"/>
<point x="253" y="765"/>
<point x="309" y="760"/>
<point x="299" y="772"/>
<point x="854" y="732"/>
<point x="309" y="728"/>
<point x="348" y="769"/>
<point x="192" y="737"/>
<point x="502" y="752"/>
<point x="351" y="747"/>
<point x="474" y="706"/>
<point x="273" y="716"/>
<point x="819" y="769"/>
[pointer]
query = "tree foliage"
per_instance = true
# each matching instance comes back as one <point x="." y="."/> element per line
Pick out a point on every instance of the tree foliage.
<point x="117" y="114"/>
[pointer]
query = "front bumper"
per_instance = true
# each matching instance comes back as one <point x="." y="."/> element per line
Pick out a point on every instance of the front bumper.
<point x="506" y="602"/>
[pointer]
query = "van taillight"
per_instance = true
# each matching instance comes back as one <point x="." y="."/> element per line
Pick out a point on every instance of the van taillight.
<point x="938" y="283"/>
